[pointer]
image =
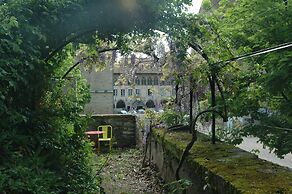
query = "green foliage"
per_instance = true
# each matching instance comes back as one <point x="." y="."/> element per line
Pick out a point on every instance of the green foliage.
<point x="232" y="135"/>
<point x="171" y="117"/>
<point x="177" y="187"/>
<point x="261" y="82"/>
<point x="43" y="147"/>
<point x="235" y="28"/>
<point x="152" y="116"/>
<point x="278" y="139"/>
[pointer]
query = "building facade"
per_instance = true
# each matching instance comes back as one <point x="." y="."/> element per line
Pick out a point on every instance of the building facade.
<point x="147" y="92"/>
<point x="144" y="87"/>
<point x="125" y="86"/>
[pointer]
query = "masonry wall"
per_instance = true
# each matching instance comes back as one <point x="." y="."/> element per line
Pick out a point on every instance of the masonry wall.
<point x="124" y="128"/>
<point x="101" y="91"/>
<point x="219" y="168"/>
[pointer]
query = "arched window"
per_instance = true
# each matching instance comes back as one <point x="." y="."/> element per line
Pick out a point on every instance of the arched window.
<point x="150" y="104"/>
<point x="137" y="81"/>
<point x="149" y="81"/>
<point x="115" y="81"/>
<point x="138" y="104"/>
<point x="121" y="104"/>
<point x="155" y="81"/>
<point x="143" y="81"/>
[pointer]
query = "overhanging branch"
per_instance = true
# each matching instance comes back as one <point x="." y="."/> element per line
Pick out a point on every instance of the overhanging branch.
<point x="194" y="139"/>
<point x="61" y="46"/>
<point x="84" y="58"/>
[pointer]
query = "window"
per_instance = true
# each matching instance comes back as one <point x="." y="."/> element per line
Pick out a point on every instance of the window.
<point x="115" y="92"/>
<point x="121" y="104"/>
<point x="143" y="81"/>
<point x="115" y="80"/>
<point x="150" y="104"/>
<point x="137" y="81"/>
<point x="130" y="92"/>
<point x="149" y="81"/>
<point x="149" y="92"/>
<point x="123" y="92"/>
<point x="156" y="81"/>
<point x="137" y="92"/>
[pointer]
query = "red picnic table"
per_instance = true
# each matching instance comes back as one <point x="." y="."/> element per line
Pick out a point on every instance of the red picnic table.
<point x="94" y="132"/>
<point x="89" y="133"/>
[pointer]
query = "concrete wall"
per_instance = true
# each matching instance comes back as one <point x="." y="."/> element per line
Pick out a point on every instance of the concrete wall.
<point x="124" y="128"/>
<point x="219" y="168"/>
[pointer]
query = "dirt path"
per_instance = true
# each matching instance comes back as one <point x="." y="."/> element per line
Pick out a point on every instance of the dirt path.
<point x="123" y="174"/>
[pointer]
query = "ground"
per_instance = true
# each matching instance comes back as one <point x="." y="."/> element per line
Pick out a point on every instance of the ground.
<point x="122" y="173"/>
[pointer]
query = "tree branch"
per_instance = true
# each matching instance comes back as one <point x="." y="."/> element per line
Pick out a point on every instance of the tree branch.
<point x="61" y="46"/>
<point x="284" y="96"/>
<point x="194" y="138"/>
<point x="84" y="58"/>
<point x="223" y="98"/>
<point x="199" y="50"/>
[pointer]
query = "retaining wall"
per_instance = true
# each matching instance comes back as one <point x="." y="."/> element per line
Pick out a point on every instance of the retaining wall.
<point x="219" y="168"/>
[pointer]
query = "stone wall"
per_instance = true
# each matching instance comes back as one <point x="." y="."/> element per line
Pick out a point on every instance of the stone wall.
<point x="124" y="128"/>
<point x="219" y="168"/>
<point x="101" y="91"/>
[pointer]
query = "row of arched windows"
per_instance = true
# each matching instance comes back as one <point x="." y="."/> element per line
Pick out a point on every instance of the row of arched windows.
<point x="145" y="80"/>
<point x="122" y="104"/>
<point x="148" y="81"/>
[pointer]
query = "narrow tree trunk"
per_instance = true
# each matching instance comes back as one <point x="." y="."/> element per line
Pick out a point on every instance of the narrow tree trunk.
<point x="213" y="104"/>
<point x="191" y="102"/>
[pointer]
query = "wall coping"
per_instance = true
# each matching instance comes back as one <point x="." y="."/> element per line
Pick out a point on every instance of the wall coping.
<point x="244" y="172"/>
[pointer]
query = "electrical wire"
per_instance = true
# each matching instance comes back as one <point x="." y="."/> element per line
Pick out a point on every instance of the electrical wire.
<point x="256" y="53"/>
<point x="274" y="127"/>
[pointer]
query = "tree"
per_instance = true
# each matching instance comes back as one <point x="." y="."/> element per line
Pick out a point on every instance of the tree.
<point x="44" y="150"/>
<point x="255" y="87"/>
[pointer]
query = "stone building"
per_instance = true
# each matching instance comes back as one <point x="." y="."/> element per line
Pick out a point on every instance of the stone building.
<point x="101" y="85"/>
<point x="101" y="91"/>
<point x="142" y="88"/>
<point x="129" y="84"/>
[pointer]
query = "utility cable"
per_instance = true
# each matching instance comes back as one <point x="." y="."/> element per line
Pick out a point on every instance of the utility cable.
<point x="274" y="127"/>
<point x="256" y="53"/>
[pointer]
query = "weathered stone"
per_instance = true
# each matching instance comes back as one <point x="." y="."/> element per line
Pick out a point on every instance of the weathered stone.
<point x="219" y="168"/>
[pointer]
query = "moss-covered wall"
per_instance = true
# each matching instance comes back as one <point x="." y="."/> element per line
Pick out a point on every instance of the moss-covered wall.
<point x="222" y="167"/>
<point x="124" y="128"/>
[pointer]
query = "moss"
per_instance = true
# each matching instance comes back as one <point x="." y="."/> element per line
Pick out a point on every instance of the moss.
<point x="241" y="171"/>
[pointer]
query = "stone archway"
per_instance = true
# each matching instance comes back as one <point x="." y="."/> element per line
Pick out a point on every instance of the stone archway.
<point x="150" y="104"/>
<point x="121" y="104"/>
<point x="138" y="104"/>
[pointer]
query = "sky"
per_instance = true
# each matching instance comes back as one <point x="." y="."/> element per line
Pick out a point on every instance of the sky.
<point x="196" y="6"/>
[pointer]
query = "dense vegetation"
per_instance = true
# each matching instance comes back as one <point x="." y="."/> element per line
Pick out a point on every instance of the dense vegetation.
<point x="43" y="149"/>
<point x="256" y="88"/>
